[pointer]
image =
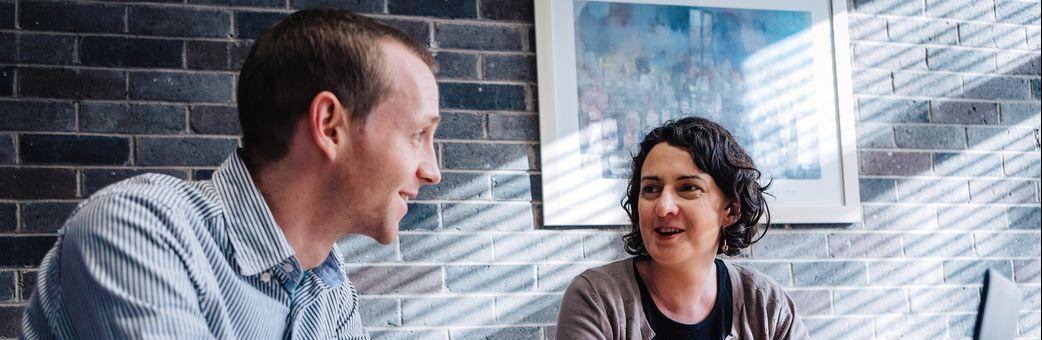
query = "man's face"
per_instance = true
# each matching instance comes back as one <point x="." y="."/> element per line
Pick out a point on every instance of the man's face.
<point x="392" y="155"/>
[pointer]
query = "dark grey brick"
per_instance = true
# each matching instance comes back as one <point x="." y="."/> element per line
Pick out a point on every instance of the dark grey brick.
<point x="360" y="6"/>
<point x="841" y="273"/>
<point x="1036" y="91"/>
<point x="967" y="164"/>
<point x="872" y="82"/>
<point x="184" y="151"/>
<point x="96" y="179"/>
<point x="37" y="183"/>
<point x="490" y="278"/>
<point x="928" y="84"/>
<point x="71" y="149"/>
<point x="1027" y="271"/>
<point x="867" y="28"/>
<point x="7" y="155"/>
<point x="453" y="65"/>
<point x="1022" y="164"/>
<point x="894" y="163"/>
<point x="1002" y="191"/>
<point x="10" y="321"/>
<point x="421" y="216"/>
<point x="513" y="127"/>
<point x="27" y="284"/>
<point x="202" y="174"/>
<point x="215" y="120"/>
<point x="8" y="217"/>
<point x="1020" y="113"/>
<point x="376" y="280"/>
<point x="888" y="110"/>
<point x="1017" y="12"/>
<point x="458" y="186"/>
<point x="7" y="15"/>
<point x="37" y="116"/>
<point x="487" y="217"/>
<point x="24" y="251"/>
<point x="419" y="31"/>
<point x="45" y="217"/>
<point x="72" y="17"/>
<point x="517" y="333"/>
<point x="892" y="7"/>
<point x="871" y="135"/>
<point x="461" y="125"/>
<point x="964" y="112"/>
<point x="181" y="87"/>
<point x="180" y="22"/>
<point x="507" y="10"/>
<point x="207" y="55"/>
<point x="71" y="83"/>
<point x="470" y="96"/>
<point x="135" y="52"/>
<point x="244" y="3"/>
<point x="7" y="286"/>
<point x="237" y="52"/>
<point x="921" y="190"/>
<point x="509" y="67"/>
<point x="877" y="190"/>
<point x="250" y="25"/>
<point x="988" y="87"/>
<point x="971" y="271"/>
<point x="930" y="137"/>
<point x="960" y="60"/>
<point x="1002" y="138"/>
<point x="975" y="218"/>
<point x="1023" y="217"/>
<point x="480" y="37"/>
<point x="45" y="49"/>
<point x="6" y="81"/>
<point x="8" y="47"/>
<point x="488" y="156"/>
<point x="991" y="35"/>
<point x="1004" y="244"/>
<point x="1018" y="63"/>
<point x="889" y="57"/>
<point x="923" y="31"/>
<point x="455" y="9"/>
<point x="864" y="245"/>
<point x="132" y="118"/>
<point x="517" y="187"/>
<point x="961" y="9"/>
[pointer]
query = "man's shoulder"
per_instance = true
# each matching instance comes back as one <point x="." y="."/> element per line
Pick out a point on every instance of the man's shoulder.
<point x="173" y="193"/>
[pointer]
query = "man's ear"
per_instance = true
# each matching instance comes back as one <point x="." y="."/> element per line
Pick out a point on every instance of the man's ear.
<point x="328" y="123"/>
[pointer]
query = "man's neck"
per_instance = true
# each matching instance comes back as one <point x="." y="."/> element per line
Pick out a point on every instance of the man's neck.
<point x="296" y="208"/>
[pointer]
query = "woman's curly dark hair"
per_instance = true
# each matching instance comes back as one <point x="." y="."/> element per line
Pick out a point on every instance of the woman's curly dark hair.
<point x="716" y="152"/>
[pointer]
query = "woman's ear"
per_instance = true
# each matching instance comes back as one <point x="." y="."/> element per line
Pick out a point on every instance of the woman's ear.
<point x="733" y="210"/>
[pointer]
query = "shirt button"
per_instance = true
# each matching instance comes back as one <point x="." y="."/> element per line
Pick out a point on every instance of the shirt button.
<point x="288" y="267"/>
<point x="265" y="277"/>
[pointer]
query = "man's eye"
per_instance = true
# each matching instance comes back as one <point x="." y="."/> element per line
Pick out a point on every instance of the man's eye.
<point x="419" y="135"/>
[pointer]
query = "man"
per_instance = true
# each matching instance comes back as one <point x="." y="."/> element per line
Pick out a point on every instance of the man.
<point x="338" y="115"/>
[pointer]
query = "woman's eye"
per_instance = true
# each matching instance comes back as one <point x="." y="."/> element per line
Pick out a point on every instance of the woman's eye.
<point x="650" y="189"/>
<point x="688" y="187"/>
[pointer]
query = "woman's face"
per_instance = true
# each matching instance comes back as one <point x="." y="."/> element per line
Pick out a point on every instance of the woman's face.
<point x="681" y="209"/>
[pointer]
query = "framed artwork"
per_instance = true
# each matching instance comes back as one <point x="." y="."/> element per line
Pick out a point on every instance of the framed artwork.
<point x="769" y="71"/>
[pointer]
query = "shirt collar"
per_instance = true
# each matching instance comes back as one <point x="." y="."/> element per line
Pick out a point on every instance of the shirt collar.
<point x="257" y="241"/>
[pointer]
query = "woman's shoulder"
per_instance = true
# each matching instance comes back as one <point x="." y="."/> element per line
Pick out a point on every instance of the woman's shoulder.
<point x="612" y="278"/>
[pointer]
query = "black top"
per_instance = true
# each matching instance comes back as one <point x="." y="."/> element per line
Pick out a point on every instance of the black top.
<point x="715" y="326"/>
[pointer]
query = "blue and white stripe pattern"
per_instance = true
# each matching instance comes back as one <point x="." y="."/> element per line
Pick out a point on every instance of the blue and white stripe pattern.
<point x="156" y="257"/>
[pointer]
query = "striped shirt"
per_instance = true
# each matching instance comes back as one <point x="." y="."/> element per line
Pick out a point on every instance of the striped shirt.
<point x="156" y="257"/>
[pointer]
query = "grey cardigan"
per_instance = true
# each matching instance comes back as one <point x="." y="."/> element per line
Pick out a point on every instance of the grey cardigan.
<point x="604" y="303"/>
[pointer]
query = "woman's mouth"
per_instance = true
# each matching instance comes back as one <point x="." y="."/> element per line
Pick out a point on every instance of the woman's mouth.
<point x="666" y="233"/>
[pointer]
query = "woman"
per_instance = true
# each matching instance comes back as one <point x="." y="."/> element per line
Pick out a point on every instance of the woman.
<point x="693" y="194"/>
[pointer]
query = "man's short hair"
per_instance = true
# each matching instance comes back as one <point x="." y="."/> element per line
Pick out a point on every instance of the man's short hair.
<point x="308" y="52"/>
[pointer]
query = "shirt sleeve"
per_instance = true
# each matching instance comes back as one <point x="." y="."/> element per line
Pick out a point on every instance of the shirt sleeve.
<point x="123" y="273"/>
<point x="789" y="326"/>
<point x="581" y="316"/>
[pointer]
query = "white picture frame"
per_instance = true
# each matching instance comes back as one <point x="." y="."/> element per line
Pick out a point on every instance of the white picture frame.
<point x="571" y="160"/>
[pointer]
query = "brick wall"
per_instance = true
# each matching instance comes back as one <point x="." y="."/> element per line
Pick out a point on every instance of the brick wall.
<point x="947" y="96"/>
